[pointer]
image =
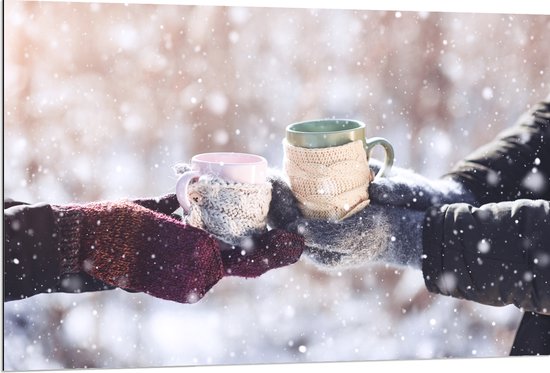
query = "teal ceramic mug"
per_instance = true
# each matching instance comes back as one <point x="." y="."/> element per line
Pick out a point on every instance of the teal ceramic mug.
<point x="325" y="133"/>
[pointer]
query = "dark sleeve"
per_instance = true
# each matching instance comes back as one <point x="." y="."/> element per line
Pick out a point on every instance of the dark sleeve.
<point x="31" y="259"/>
<point x="515" y="165"/>
<point x="8" y="202"/>
<point x="497" y="254"/>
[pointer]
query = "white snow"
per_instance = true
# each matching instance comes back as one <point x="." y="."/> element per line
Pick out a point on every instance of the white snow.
<point x="483" y="246"/>
<point x="487" y="93"/>
<point x="128" y="91"/>
<point x="535" y="182"/>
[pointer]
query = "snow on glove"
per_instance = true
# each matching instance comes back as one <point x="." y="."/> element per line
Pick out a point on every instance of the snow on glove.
<point x="378" y="233"/>
<point x="137" y="246"/>
<point x="403" y="187"/>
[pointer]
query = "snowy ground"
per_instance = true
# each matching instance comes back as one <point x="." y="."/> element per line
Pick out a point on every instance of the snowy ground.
<point x="101" y="100"/>
<point x="289" y="315"/>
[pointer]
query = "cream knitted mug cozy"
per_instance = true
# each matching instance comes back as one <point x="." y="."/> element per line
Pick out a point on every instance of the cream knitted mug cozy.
<point x="329" y="183"/>
<point x="233" y="212"/>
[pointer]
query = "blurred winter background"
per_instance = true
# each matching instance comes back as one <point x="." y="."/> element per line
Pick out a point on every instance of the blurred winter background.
<point x="102" y="99"/>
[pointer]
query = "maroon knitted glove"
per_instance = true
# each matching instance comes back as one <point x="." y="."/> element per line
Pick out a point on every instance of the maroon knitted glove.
<point x="137" y="246"/>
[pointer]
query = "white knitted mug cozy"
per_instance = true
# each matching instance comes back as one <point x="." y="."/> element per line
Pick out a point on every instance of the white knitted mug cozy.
<point x="233" y="212"/>
<point x="329" y="183"/>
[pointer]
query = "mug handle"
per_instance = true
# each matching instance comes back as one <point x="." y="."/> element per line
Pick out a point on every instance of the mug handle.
<point x="181" y="189"/>
<point x="388" y="148"/>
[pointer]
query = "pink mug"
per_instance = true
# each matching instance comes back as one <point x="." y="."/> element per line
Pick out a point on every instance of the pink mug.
<point x="235" y="167"/>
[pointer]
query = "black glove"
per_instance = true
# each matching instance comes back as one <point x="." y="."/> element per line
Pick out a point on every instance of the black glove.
<point x="407" y="188"/>
<point x="391" y="234"/>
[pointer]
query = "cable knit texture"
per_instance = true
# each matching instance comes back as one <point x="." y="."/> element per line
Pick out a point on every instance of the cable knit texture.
<point x="329" y="183"/>
<point x="232" y="212"/>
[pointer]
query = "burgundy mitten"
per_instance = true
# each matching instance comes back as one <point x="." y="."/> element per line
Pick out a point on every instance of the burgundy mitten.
<point x="138" y="247"/>
<point x="274" y="249"/>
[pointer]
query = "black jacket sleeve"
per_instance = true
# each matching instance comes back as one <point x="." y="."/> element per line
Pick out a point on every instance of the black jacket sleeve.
<point x="31" y="258"/>
<point x="497" y="254"/>
<point x="515" y="165"/>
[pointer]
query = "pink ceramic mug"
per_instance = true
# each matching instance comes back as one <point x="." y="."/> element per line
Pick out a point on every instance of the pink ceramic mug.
<point x="236" y="167"/>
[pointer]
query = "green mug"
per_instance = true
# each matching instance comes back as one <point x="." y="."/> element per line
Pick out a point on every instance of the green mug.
<point x="325" y="133"/>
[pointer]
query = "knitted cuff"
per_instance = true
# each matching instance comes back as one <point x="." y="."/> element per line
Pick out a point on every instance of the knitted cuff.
<point x="329" y="183"/>
<point x="233" y="212"/>
<point x="68" y="221"/>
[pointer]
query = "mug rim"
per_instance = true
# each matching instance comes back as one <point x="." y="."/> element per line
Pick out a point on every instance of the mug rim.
<point x="256" y="160"/>
<point x="324" y="120"/>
